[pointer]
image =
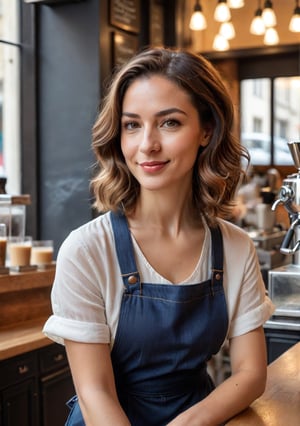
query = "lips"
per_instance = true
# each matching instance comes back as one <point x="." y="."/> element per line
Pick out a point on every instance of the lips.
<point x="153" y="166"/>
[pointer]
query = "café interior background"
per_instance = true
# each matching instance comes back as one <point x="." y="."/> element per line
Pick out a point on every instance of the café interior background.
<point x="53" y="71"/>
<point x="55" y="59"/>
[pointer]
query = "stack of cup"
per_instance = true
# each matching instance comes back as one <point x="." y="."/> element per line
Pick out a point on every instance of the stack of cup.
<point x="19" y="252"/>
<point x="42" y="253"/>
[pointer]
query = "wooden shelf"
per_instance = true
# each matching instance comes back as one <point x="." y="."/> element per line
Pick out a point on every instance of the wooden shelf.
<point x="20" y="338"/>
<point x="16" y="281"/>
<point x="25" y="306"/>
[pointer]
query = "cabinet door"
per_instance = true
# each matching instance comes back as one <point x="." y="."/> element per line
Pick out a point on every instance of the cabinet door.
<point x="279" y="341"/>
<point x="20" y="404"/>
<point x="56" y="390"/>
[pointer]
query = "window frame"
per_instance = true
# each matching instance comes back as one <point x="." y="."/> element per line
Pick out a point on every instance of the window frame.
<point x="265" y="62"/>
<point x="29" y="114"/>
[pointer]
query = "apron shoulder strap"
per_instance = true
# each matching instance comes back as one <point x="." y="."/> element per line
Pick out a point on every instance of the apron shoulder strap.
<point x="126" y="258"/>
<point x="124" y="249"/>
<point x="217" y="255"/>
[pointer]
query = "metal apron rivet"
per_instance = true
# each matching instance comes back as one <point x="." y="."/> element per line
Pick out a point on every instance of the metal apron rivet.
<point x="132" y="279"/>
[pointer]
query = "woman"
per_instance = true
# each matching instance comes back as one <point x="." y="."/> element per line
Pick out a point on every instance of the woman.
<point x="147" y="292"/>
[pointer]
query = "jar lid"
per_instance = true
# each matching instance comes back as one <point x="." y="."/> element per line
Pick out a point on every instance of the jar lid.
<point x="23" y="199"/>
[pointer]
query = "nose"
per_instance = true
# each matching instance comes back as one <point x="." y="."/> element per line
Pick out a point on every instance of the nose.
<point x="150" y="140"/>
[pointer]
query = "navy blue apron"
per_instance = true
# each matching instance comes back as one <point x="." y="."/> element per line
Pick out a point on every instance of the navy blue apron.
<point x="165" y="336"/>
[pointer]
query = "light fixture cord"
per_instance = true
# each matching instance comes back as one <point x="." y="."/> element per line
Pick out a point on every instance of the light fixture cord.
<point x="197" y="6"/>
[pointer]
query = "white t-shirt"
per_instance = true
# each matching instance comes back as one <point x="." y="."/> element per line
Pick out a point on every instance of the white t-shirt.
<point x="88" y="288"/>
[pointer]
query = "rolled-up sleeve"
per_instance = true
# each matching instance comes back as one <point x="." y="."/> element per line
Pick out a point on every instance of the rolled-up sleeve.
<point x="77" y="302"/>
<point x="249" y="306"/>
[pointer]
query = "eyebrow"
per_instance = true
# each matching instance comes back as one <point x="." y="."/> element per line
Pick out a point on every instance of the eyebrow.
<point x="158" y="114"/>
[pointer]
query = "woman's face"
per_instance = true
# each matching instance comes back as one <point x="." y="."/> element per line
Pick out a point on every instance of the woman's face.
<point x="160" y="133"/>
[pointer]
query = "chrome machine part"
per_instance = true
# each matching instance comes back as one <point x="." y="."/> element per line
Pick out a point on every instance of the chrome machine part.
<point x="289" y="196"/>
<point x="284" y="282"/>
<point x="294" y="147"/>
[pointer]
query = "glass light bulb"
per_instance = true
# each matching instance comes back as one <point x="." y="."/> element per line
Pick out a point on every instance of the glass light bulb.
<point x="220" y="43"/>
<point x="222" y="12"/>
<point x="271" y="37"/>
<point x="294" y="25"/>
<point x="227" y="30"/>
<point x="257" y="26"/>
<point x="269" y="17"/>
<point x="198" y="21"/>
<point x="236" y="4"/>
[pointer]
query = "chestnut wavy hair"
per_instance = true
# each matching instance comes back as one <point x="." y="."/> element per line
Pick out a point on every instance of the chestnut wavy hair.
<point x="217" y="169"/>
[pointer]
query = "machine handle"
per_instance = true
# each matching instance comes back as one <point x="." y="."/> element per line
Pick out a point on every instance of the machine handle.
<point x="286" y="194"/>
<point x="276" y="203"/>
<point x="291" y="251"/>
<point x="287" y="239"/>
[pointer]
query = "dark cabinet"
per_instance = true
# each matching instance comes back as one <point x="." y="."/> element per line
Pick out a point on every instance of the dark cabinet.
<point x="56" y="389"/>
<point x="279" y="341"/>
<point x="20" y="404"/>
<point x="56" y="385"/>
<point x="19" y="391"/>
<point x="34" y="388"/>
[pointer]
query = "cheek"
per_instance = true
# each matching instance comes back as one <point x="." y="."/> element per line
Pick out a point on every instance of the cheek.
<point x="127" y="149"/>
<point x="124" y="146"/>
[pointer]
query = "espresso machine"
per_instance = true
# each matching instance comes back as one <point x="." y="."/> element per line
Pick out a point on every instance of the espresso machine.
<point x="284" y="281"/>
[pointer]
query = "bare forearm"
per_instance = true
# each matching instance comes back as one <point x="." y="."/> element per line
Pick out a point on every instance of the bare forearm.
<point x="94" y="384"/>
<point x="232" y="396"/>
<point x="99" y="408"/>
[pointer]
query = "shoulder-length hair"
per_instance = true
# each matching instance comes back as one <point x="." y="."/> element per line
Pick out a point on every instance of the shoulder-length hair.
<point x="217" y="170"/>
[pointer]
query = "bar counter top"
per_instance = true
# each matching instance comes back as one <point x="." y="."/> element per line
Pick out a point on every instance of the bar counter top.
<point x="280" y="403"/>
<point x="24" y="308"/>
<point x="21" y="338"/>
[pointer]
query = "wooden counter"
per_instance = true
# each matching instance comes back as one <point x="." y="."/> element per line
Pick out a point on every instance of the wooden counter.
<point x="22" y="338"/>
<point x="24" y="308"/>
<point x="280" y="403"/>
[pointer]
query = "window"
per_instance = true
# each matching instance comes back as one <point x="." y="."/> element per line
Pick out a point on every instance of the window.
<point x="258" y="88"/>
<point x="257" y="124"/>
<point x="269" y="100"/>
<point x="266" y="136"/>
<point x="255" y="119"/>
<point x="286" y="107"/>
<point x="10" y="94"/>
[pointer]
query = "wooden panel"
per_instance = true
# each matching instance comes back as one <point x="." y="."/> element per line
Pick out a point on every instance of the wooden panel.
<point x="25" y="305"/>
<point x="27" y="280"/>
<point x="25" y="296"/>
<point x="21" y="338"/>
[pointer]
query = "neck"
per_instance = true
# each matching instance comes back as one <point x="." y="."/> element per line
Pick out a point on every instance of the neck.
<point x="166" y="213"/>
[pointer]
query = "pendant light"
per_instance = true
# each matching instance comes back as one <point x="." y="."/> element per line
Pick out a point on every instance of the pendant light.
<point x="198" y="21"/>
<point x="220" y="43"/>
<point x="227" y="30"/>
<point x="294" y="25"/>
<point x="268" y="14"/>
<point x="271" y="36"/>
<point x="257" y="26"/>
<point x="236" y="4"/>
<point x="222" y="11"/>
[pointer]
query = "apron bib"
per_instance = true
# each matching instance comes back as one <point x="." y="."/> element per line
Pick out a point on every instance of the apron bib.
<point x="165" y="336"/>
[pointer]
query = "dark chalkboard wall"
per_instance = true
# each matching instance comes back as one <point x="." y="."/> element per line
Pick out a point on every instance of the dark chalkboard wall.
<point x="68" y="93"/>
<point x="75" y="56"/>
